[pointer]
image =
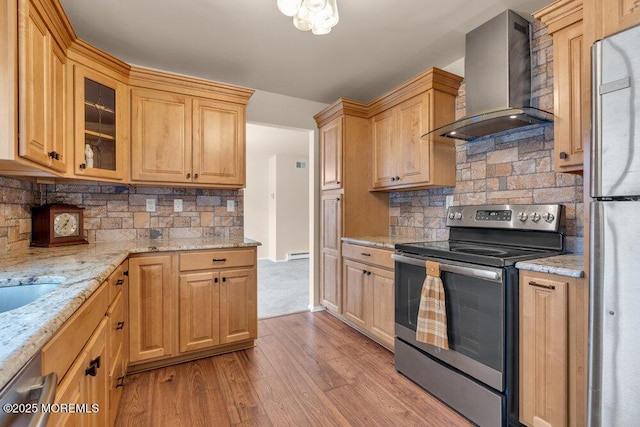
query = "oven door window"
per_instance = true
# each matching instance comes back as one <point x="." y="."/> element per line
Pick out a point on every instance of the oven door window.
<point x="475" y="312"/>
<point x="475" y="318"/>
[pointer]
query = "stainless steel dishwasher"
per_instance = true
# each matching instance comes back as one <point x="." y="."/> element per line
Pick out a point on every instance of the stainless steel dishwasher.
<point x="24" y="397"/>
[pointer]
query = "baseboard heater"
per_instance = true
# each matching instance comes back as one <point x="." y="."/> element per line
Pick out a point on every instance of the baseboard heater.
<point x="297" y="255"/>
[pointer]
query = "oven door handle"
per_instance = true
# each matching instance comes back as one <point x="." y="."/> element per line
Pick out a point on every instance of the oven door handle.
<point x="475" y="271"/>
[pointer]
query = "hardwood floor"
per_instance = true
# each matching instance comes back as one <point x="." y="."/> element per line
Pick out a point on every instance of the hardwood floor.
<point x="307" y="369"/>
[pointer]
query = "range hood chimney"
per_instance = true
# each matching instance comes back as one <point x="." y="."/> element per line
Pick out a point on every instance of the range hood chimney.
<point x="497" y="81"/>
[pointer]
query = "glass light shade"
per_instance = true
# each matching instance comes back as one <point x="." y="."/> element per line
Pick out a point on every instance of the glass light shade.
<point x="315" y="5"/>
<point x="325" y="18"/>
<point x="335" y="17"/>
<point x="289" y="7"/>
<point x="320" y="31"/>
<point x="303" y="19"/>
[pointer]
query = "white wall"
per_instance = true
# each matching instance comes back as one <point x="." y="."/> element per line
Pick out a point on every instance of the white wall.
<point x="292" y="207"/>
<point x="256" y="199"/>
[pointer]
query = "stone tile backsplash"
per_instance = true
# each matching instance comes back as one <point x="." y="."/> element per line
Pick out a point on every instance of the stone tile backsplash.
<point x="115" y="212"/>
<point x="511" y="167"/>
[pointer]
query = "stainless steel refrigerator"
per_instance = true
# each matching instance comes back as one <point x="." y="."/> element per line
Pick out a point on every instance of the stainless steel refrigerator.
<point x="614" y="328"/>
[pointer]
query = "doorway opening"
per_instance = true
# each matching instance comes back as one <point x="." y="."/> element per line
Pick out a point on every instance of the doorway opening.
<point x="277" y="213"/>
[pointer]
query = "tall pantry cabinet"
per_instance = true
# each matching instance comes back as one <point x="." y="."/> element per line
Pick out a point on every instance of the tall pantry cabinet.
<point x="347" y="206"/>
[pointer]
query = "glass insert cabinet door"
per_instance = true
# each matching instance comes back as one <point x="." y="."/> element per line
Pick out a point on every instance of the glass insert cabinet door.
<point x="99" y="129"/>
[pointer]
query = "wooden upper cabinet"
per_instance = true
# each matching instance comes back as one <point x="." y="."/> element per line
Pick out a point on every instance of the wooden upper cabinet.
<point x="401" y="158"/>
<point x="101" y="122"/>
<point x="161" y="147"/>
<point x="42" y="89"/>
<point x="187" y="131"/>
<point x="399" y="155"/>
<point x="571" y="83"/>
<point x="331" y="139"/>
<point x="384" y="159"/>
<point x="617" y="15"/>
<point x="218" y="143"/>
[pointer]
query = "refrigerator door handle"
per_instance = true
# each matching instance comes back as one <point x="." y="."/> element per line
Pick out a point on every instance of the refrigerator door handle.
<point x="596" y="120"/>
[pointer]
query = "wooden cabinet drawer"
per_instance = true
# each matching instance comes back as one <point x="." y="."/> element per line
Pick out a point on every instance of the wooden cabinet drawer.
<point x="206" y="260"/>
<point x="62" y="349"/>
<point x="117" y="326"/>
<point x="375" y="256"/>
<point x="118" y="280"/>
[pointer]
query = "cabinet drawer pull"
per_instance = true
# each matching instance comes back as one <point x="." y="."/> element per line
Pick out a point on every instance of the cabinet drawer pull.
<point x="539" y="285"/>
<point x="195" y="176"/>
<point x="92" y="370"/>
<point x="82" y="166"/>
<point x="215" y="280"/>
<point x="563" y="155"/>
<point x="120" y="326"/>
<point x="364" y="254"/>
<point x="126" y="273"/>
<point x="224" y="279"/>
<point x="219" y="260"/>
<point x="188" y="175"/>
<point x="120" y="382"/>
<point x="119" y="282"/>
<point x="364" y="271"/>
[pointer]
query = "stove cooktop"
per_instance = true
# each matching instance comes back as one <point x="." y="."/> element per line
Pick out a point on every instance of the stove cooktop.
<point x="476" y="253"/>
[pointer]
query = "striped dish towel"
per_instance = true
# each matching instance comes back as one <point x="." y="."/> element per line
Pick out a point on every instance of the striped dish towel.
<point x="432" y="315"/>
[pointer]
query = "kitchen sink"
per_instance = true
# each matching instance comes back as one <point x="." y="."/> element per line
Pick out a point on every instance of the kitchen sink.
<point x="15" y="293"/>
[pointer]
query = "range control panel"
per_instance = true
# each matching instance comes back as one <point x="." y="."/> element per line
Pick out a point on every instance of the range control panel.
<point x="516" y="217"/>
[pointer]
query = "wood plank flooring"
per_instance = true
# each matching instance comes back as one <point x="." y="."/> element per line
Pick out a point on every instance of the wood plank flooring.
<point x="307" y="369"/>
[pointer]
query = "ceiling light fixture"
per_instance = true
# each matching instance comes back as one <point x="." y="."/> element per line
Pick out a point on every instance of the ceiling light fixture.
<point x="319" y="16"/>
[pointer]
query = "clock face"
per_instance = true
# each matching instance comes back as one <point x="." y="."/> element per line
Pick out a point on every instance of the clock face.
<point x="65" y="224"/>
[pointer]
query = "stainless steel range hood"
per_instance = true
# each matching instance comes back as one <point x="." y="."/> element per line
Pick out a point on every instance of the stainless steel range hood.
<point x="497" y="81"/>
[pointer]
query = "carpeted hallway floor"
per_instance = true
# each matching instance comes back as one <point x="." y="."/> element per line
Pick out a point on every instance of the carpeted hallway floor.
<point x="283" y="287"/>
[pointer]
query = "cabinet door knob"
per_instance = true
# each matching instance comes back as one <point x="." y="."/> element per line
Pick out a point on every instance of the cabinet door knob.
<point x="393" y="178"/>
<point x="397" y="178"/>
<point x="368" y="273"/>
<point x="120" y="326"/>
<point x="215" y="280"/>
<point x="338" y="199"/>
<point x="120" y="382"/>
<point x="224" y="279"/>
<point x="195" y="176"/>
<point x="126" y="273"/>
<point x="82" y="166"/>
<point x="119" y="282"/>
<point x="364" y="271"/>
<point x="188" y="175"/>
<point x="564" y="155"/>
<point x="337" y="182"/>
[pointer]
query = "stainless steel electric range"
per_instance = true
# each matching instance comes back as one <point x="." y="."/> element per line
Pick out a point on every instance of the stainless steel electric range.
<point x="478" y="375"/>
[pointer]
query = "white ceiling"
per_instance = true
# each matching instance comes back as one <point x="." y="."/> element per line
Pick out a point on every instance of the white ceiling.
<point x="377" y="44"/>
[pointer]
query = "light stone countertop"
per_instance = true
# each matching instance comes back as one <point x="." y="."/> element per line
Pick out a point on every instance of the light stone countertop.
<point x="383" y="242"/>
<point x="571" y="265"/>
<point x="83" y="268"/>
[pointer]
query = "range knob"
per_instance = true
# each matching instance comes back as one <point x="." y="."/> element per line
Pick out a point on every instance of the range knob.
<point x="535" y="217"/>
<point x="548" y="217"/>
<point x="458" y="215"/>
<point x="451" y="215"/>
<point x="522" y="216"/>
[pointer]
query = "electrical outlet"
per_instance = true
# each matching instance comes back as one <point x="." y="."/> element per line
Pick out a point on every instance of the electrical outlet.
<point x="448" y="201"/>
<point x="151" y="205"/>
<point x="177" y="205"/>
<point x="231" y="205"/>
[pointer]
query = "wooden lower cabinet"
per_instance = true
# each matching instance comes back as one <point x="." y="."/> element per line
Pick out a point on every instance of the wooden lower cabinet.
<point x="330" y="231"/>
<point x="553" y="350"/>
<point x="191" y="304"/>
<point x="86" y="384"/>
<point x="152" y="302"/>
<point x="198" y="311"/>
<point x="369" y="292"/>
